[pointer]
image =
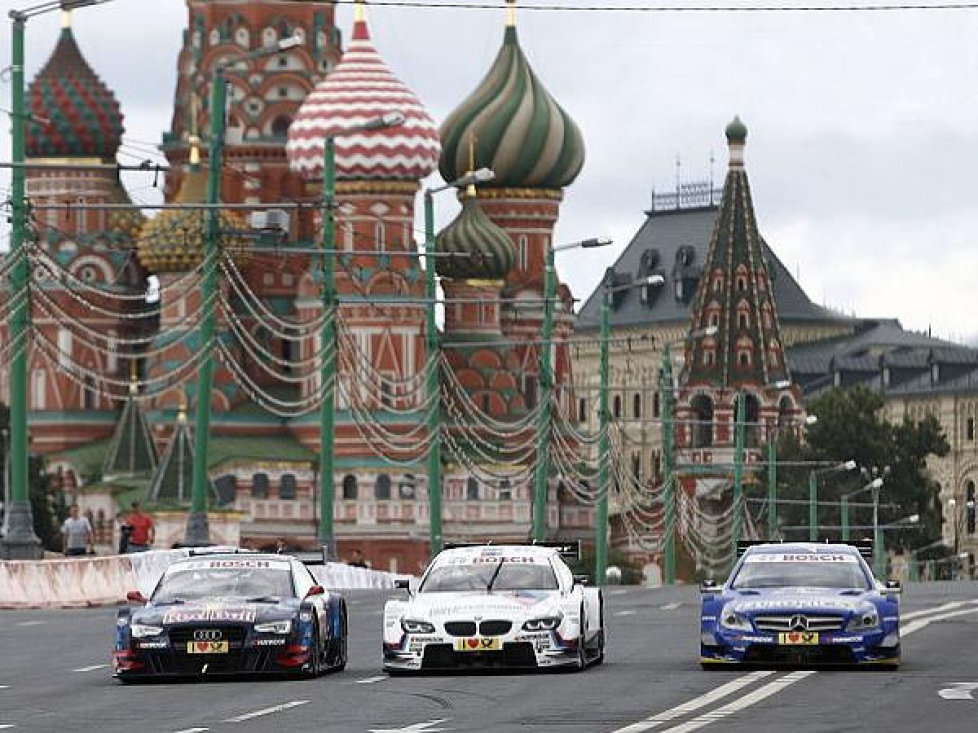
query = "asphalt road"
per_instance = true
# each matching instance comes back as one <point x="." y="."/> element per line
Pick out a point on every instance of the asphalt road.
<point x="54" y="676"/>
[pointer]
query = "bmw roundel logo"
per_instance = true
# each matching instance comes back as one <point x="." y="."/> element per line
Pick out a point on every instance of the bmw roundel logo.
<point x="207" y="635"/>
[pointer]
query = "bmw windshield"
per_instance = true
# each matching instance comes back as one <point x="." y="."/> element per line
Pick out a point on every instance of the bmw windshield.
<point x="780" y="570"/>
<point x="502" y="574"/>
<point x="245" y="579"/>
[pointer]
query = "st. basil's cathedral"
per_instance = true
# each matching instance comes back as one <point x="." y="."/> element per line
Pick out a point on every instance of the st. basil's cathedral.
<point x="264" y="446"/>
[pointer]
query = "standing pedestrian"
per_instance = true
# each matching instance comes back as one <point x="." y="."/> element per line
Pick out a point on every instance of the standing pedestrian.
<point x="143" y="533"/>
<point x="76" y="534"/>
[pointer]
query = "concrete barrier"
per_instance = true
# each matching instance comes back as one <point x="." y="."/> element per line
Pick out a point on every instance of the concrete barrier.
<point x="97" y="581"/>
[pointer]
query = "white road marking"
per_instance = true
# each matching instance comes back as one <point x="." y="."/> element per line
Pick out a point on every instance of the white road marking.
<point x="771" y="688"/>
<point x="696" y="703"/>
<point x="415" y="728"/>
<point x="959" y="691"/>
<point x="90" y="668"/>
<point x="371" y="680"/>
<point x="625" y="613"/>
<point x="266" y="711"/>
<point x="928" y="611"/>
<point x="30" y="623"/>
<point x="4" y="726"/>
<point x="920" y="623"/>
<point x="618" y="593"/>
<point x="4" y="687"/>
<point x="670" y="606"/>
<point x="192" y="730"/>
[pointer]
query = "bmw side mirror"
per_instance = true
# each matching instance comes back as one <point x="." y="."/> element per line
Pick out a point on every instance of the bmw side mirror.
<point x="134" y="596"/>
<point x="709" y="586"/>
<point x="316" y="590"/>
<point x="581" y="579"/>
<point x="403" y="583"/>
<point x="892" y="586"/>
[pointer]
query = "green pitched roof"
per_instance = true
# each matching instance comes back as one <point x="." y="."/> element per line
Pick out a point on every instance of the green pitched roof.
<point x="173" y="481"/>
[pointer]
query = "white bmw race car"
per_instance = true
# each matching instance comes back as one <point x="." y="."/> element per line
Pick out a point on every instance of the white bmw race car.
<point x="495" y="605"/>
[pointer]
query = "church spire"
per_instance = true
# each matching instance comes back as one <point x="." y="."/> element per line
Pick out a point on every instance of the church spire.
<point x="734" y="294"/>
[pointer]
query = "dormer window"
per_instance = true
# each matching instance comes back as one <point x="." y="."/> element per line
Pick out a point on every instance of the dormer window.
<point x="743" y="358"/>
<point x="742" y="320"/>
<point x="741" y="284"/>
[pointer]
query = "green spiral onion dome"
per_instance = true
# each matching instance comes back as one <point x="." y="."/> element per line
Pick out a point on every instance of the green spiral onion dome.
<point x="173" y="241"/>
<point x="488" y="249"/>
<point x="72" y="111"/>
<point x="517" y="128"/>
<point x="736" y="131"/>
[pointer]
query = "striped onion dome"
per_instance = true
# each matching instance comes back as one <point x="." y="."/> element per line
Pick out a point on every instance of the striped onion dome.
<point x="491" y="252"/>
<point x="173" y="241"/>
<point x="517" y="128"/>
<point x="360" y="89"/>
<point x="72" y="111"/>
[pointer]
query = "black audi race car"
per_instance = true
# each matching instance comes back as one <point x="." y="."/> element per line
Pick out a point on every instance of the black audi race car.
<point x="220" y="614"/>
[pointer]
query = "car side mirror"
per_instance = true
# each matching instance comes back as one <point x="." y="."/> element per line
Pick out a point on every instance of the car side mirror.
<point x="316" y="590"/>
<point x="581" y="579"/>
<point x="709" y="586"/>
<point x="403" y="584"/>
<point x="892" y="586"/>
<point x="134" y="596"/>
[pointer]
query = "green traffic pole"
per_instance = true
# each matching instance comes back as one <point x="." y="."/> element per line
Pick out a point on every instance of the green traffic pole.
<point x="812" y="508"/>
<point x="20" y="542"/>
<point x="845" y="518"/>
<point x="604" y="445"/>
<point x="327" y="373"/>
<point x="435" y="539"/>
<point x="543" y="421"/>
<point x="669" y="490"/>
<point x="738" y="488"/>
<point x="772" y="488"/>
<point x="198" y="529"/>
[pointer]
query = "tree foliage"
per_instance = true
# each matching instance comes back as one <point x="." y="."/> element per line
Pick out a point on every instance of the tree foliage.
<point x="850" y="426"/>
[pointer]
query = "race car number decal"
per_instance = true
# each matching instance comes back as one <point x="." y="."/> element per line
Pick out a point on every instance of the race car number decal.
<point x="493" y="644"/>
<point x="207" y="647"/>
<point x="804" y="638"/>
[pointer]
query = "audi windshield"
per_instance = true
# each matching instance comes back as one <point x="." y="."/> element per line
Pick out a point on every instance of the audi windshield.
<point x="761" y="570"/>
<point x="248" y="579"/>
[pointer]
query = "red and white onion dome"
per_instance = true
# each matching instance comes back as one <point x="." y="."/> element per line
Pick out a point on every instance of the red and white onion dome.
<point x="360" y="89"/>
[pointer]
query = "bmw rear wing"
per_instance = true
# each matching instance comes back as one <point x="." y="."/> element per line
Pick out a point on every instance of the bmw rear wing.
<point x="313" y="557"/>
<point x="567" y="549"/>
<point x="744" y="545"/>
<point x="864" y="547"/>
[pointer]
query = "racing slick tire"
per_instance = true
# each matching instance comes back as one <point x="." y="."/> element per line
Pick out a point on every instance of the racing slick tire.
<point x="317" y="655"/>
<point x="582" y="644"/>
<point x="338" y="646"/>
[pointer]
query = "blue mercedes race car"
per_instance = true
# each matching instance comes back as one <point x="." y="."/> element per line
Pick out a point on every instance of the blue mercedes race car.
<point x="802" y="604"/>
<point x="220" y="614"/>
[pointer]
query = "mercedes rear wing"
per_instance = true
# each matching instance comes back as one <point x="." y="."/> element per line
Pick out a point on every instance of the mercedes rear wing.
<point x="567" y="549"/>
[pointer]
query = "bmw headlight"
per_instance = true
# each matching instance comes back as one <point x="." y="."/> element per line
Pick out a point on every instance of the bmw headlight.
<point x="275" y="627"/>
<point x="733" y="620"/>
<point x="547" y="623"/>
<point x="140" y="631"/>
<point x="410" y="626"/>
<point x="863" y="621"/>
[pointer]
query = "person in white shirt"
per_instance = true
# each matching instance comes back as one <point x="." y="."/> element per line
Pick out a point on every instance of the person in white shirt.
<point x="76" y="533"/>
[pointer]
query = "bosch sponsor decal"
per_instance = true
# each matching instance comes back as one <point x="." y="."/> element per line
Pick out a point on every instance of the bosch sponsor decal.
<point x="229" y="564"/>
<point x="801" y="557"/>
<point x="183" y="616"/>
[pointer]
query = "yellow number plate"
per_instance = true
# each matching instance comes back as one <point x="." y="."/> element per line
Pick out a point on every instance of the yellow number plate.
<point x="804" y="638"/>
<point x="207" y="647"/>
<point x="478" y="645"/>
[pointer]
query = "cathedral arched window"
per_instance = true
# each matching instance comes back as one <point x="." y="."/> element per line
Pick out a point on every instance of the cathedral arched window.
<point x="472" y="489"/>
<point x="349" y="487"/>
<point x="287" y="486"/>
<point x="581" y="409"/>
<point x="637" y="406"/>
<point x="259" y="486"/>
<point x="702" y="421"/>
<point x="382" y="487"/>
<point x="380" y="234"/>
<point x="280" y="127"/>
<point x="616" y="409"/>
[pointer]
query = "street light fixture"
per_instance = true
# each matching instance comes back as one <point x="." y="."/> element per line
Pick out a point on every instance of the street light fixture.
<point x="482" y="175"/>
<point x="20" y="541"/>
<point x="545" y="379"/>
<point x="849" y="465"/>
<point x="197" y="531"/>
<point x="873" y="485"/>
<point x="601" y="521"/>
<point x="327" y="372"/>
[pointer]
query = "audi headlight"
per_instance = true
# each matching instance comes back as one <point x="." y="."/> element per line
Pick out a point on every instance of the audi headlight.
<point x="410" y="626"/>
<point x="275" y="627"/>
<point x="140" y="631"/>
<point x="863" y="621"/>
<point x="732" y="620"/>
<point x="548" y="623"/>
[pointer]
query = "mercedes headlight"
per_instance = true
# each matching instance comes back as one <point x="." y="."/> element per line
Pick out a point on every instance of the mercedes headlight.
<point x="410" y="626"/>
<point x="547" y="623"/>
<point x="140" y="631"/>
<point x="275" y="627"/>
<point x="863" y="621"/>
<point x="732" y="620"/>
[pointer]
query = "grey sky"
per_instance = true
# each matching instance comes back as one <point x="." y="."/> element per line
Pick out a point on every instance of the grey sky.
<point x="863" y="138"/>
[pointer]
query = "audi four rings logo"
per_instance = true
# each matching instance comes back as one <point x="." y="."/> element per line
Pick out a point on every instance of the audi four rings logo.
<point x="799" y="623"/>
<point x="207" y="635"/>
